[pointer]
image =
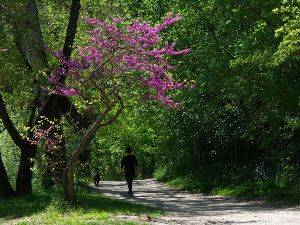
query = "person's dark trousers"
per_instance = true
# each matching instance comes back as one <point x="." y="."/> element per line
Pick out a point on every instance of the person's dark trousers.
<point x="129" y="183"/>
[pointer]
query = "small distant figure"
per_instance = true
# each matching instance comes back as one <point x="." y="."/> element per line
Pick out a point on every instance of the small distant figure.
<point x="130" y="163"/>
<point x="97" y="178"/>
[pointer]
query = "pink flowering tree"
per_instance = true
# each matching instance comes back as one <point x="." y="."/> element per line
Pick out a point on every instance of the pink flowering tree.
<point x="118" y="58"/>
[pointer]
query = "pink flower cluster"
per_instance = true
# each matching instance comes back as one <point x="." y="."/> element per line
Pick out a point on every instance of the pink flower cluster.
<point x="45" y="130"/>
<point x="116" y="51"/>
<point x="44" y="134"/>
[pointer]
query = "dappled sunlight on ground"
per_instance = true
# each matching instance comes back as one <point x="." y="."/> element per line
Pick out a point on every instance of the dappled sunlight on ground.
<point x="185" y="208"/>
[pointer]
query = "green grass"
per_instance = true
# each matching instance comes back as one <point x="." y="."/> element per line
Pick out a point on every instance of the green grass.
<point x="190" y="185"/>
<point x="47" y="207"/>
<point x="266" y="190"/>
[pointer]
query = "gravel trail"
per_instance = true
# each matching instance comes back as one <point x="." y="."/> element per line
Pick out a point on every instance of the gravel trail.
<point x="186" y="208"/>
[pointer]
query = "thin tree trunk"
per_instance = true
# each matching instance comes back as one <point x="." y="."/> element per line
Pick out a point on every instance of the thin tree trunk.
<point x="68" y="182"/>
<point x="71" y="29"/>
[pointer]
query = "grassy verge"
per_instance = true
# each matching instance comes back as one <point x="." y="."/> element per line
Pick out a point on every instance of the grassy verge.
<point x="266" y="190"/>
<point x="46" y="207"/>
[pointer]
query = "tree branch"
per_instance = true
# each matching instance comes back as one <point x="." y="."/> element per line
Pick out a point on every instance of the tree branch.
<point x="9" y="126"/>
<point x="67" y="50"/>
<point x="71" y="30"/>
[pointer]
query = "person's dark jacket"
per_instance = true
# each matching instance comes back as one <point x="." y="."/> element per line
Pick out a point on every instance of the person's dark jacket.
<point x="130" y="163"/>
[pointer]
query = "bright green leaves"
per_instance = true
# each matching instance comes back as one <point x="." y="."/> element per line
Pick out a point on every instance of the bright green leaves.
<point x="288" y="32"/>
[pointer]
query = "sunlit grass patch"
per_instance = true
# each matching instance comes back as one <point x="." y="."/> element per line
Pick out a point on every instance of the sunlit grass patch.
<point x="190" y="184"/>
<point x="47" y="207"/>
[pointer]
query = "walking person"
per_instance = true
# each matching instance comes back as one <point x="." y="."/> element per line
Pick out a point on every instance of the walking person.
<point x="97" y="178"/>
<point x="130" y="164"/>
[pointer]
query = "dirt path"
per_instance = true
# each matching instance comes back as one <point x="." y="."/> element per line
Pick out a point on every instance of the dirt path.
<point x="186" y="208"/>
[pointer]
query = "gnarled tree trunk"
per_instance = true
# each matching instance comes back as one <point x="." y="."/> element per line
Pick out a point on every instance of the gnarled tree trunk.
<point x="31" y="44"/>
<point x="28" y="152"/>
<point x="24" y="177"/>
<point x="54" y="106"/>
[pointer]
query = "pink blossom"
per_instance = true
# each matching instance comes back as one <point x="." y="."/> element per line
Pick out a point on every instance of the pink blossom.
<point x="117" y="51"/>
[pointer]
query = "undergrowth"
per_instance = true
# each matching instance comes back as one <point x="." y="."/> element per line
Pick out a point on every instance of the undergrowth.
<point x="251" y="189"/>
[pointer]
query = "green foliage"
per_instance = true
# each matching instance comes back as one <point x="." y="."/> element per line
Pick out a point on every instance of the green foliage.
<point x="264" y="189"/>
<point x="133" y="128"/>
<point x="238" y="131"/>
<point x="241" y="121"/>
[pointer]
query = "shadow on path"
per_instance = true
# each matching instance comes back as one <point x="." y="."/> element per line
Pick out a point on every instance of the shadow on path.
<point x="187" y="208"/>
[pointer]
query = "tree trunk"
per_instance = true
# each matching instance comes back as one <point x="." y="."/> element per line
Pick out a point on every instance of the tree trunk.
<point x="24" y="177"/>
<point x="71" y="29"/>
<point x="5" y="186"/>
<point x="52" y="107"/>
<point x="28" y="152"/>
<point x="29" y="41"/>
<point x="33" y="40"/>
<point x="68" y="182"/>
<point x="56" y="158"/>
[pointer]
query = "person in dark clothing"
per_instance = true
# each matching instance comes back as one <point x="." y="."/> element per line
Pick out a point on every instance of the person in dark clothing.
<point x="97" y="178"/>
<point x="130" y="163"/>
